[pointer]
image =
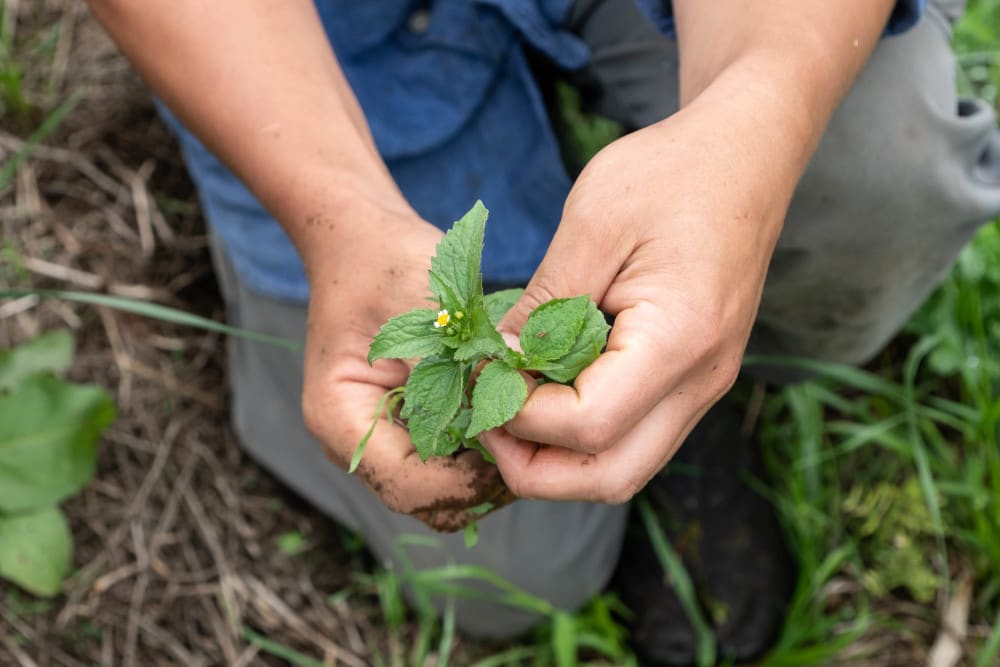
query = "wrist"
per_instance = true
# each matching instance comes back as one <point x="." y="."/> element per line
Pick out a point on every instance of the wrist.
<point x="333" y="215"/>
<point x="764" y="120"/>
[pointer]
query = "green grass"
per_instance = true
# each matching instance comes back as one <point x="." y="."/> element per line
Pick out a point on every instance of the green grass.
<point x="891" y="481"/>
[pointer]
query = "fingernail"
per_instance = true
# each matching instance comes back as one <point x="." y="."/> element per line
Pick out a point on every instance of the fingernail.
<point x="512" y="340"/>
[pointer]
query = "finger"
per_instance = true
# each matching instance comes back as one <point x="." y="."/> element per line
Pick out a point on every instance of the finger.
<point x="614" y="476"/>
<point x="582" y="259"/>
<point x="647" y="358"/>
<point x="390" y="466"/>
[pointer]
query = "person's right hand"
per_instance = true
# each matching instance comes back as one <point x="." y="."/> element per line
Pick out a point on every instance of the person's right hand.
<point x="378" y="269"/>
<point x="280" y="113"/>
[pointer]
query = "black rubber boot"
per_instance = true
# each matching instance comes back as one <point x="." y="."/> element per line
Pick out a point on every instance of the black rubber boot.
<point x="731" y="543"/>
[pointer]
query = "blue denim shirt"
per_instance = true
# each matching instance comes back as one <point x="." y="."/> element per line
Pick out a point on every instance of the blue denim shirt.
<point x="456" y="116"/>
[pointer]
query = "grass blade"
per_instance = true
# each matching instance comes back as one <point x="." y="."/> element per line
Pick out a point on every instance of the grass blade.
<point x="991" y="648"/>
<point x="681" y="582"/>
<point x="279" y="650"/>
<point x="445" y="580"/>
<point x="508" y="658"/>
<point x="564" y="639"/>
<point x="154" y="311"/>
<point x="849" y="375"/>
<point x="922" y="460"/>
<point x="47" y="127"/>
<point x="447" y="634"/>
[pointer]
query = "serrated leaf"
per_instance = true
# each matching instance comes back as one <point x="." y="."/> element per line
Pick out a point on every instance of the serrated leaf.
<point x="36" y="549"/>
<point x="586" y="348"/>
<point x="408" y="335"/>
<point x="48" y="432"/>
<point x="454" y="276"/>
<point x="433" y="398"/>
<point x="51" y="352"/>
<point x="552" y="328"/>
<point x="498" y="303"/>
<point x="486" y="341"/>
<point x="499" y="393"/>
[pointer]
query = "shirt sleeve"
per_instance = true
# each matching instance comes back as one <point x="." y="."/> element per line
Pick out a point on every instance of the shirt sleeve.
<point x="904" y="16"/>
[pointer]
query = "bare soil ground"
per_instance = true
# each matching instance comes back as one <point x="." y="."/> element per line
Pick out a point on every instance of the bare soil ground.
<point x="177" y="537"/>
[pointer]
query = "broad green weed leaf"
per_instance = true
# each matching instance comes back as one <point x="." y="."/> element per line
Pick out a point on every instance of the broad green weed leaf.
<point x="498" y="303"/>
<point x="552" y="328"/>
<point x="586" y="348"/>
<point x="408" y="335"/>
<point x="433" y="398"/>
<point x="48" y="432"/>
<point x="454" y="277"/>
<point x="36" y="549"/>
<point x="51" y="352"/>
<point x="499" y="393"/>
<point x="486" y="341"/>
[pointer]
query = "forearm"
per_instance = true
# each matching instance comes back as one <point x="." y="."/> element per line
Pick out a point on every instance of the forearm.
<point x="258" y="83"/>
<point x="774" y="72"/>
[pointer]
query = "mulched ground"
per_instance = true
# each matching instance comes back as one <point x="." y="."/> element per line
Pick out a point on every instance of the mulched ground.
<point x="177" y="537"/>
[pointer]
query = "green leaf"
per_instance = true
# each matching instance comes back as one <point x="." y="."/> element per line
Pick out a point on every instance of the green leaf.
<point x="498" y="303"/>
<point x="36" y="549"/>
<point x="433" y="399"/>
<point x="387" y="405"/>
<point x="454" y="274"/>
<point x="473" y="443"/>
<point x="471" y="535"/>
<point x="51" y="352"/>
<point x="408" y="335"/>
<point x="48" y="432"/>
<point x="586" y="348"/>
<point x="552" y="328"/>
<point x="292" y="543"/>
<point x="499" y="393"/>
<point x="486" y="341"/>
<point x="564" y="639"/>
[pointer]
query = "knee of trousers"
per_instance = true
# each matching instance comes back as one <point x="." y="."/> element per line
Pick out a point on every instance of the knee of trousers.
<point x="558" y="554"/>
<point x="903" y="178"/>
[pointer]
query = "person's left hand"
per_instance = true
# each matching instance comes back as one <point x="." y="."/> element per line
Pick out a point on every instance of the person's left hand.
<point x="670" y="230"/>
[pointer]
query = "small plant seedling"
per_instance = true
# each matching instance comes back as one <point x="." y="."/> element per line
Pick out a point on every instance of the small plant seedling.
<point x="442" y="409"/>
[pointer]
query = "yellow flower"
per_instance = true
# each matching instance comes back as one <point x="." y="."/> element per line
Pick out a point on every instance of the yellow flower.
<point x="442" y="319"/>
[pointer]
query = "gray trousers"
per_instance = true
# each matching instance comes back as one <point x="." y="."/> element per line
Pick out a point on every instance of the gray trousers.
<point x="904" y="176"/>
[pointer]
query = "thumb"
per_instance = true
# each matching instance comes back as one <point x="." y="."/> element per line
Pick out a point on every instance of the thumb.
<point x="574" y="264"/>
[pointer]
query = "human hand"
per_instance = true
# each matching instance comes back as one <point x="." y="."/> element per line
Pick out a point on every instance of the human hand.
<point x="376" y="275"/>
<point x="669" y="229"/>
